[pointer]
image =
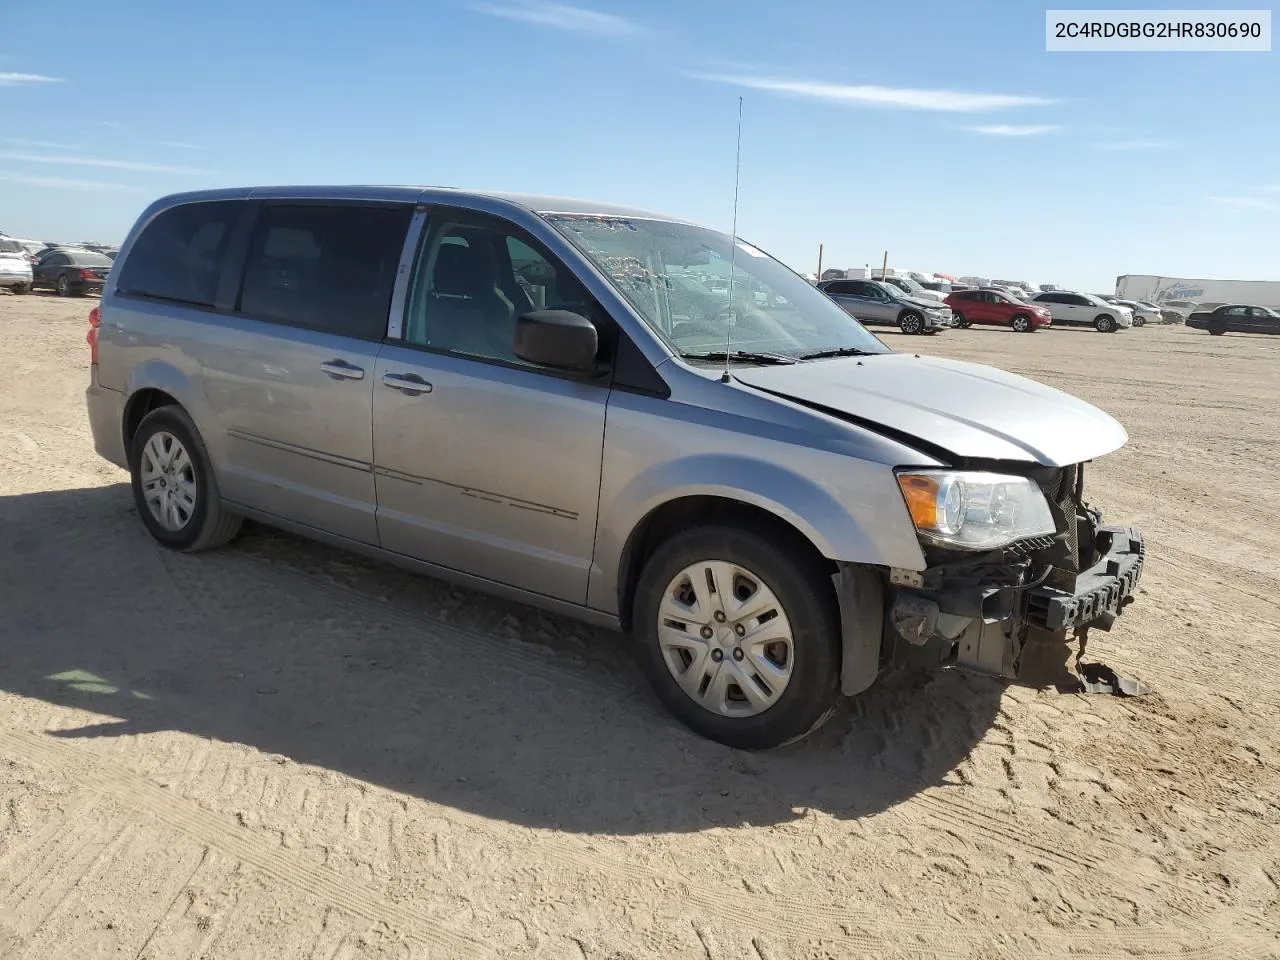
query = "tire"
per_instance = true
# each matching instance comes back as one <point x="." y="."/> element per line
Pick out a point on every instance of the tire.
<point x="20" y="289"/>
<point x="1021" y="323"/>
<point x="911" y="322"/>
<point x="959" y="320"/>
<point x="1217" y="331"/>
<point x="63" y="285"/>
<point x="1139" y="321"/>
<point x="208" y="523"/>
<point x="802" y="593"/>
<point x="1104" y="323"/>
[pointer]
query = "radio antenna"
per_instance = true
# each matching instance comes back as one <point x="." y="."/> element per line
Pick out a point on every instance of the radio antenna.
<point x="733" y="246"/>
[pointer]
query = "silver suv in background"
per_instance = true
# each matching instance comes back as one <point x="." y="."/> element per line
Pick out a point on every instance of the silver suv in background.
<point x="516" y="394"/>
<point x="880" y="302"/>
<point x="1084" y="309"/>
<point x="15" y="267"/>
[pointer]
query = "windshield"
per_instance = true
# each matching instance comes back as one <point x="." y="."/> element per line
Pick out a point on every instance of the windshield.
<point x="676" y="276"/>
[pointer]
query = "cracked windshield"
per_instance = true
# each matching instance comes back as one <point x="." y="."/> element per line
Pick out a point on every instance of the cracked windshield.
<point x="702" y="294"/>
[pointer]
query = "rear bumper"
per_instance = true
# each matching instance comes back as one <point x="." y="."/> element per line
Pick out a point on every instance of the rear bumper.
<point x="105" y="408"/>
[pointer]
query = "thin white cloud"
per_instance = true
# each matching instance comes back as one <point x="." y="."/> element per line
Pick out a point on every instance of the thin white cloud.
<point x="110" y="123"/>
<point x="561" y="16"/>
<point x="45" y="144"/>
<point x="1016" y="130"/>
<point x="99" y="162"/>
<point x="953" y="101"/>
<point x="1134" y="145"/>
<point x="181" y="145"/>
<point x="1247" y="203"/>
<point x="14" y="79"/>
<point x="61" y="183"/>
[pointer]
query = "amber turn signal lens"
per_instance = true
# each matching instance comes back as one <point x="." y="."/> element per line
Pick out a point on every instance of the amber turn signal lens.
<point x="921" y="494"/>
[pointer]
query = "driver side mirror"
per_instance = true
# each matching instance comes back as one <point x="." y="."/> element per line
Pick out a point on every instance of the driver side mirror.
<point x="557" y="338"/>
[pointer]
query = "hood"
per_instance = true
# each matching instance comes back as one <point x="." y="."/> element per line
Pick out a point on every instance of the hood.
<point x="970" y="410"/>
<point x="915" y="301"/>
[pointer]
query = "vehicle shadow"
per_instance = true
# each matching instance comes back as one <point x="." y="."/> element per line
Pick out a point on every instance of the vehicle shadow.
<point x="399" y="680"/>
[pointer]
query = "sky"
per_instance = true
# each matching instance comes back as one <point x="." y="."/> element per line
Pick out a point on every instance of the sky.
<point x="940" y="132"/>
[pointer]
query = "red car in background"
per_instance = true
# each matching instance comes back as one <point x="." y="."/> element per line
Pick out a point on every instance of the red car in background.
<point x="996" y="308"/>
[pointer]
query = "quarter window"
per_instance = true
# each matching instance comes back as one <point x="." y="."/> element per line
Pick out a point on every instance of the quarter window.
<point x="178" y="255"/>
<point x="325" y="267"/>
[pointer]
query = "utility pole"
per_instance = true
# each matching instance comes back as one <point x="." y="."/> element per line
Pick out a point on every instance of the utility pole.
<point x="819" y="261"/>
<point x="884" y="268"/>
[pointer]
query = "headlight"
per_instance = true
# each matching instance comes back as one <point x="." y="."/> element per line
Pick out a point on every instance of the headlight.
<point x="974" y="511"/>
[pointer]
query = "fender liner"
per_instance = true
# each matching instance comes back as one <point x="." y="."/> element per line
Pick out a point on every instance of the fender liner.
<point x="860" y="594"/>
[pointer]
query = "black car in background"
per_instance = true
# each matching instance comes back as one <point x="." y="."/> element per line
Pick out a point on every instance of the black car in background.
<point x="1235" y="318"/>
<point x="72" y="273"/>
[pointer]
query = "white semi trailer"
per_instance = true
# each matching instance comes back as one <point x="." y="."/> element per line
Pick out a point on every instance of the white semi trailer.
<point x="1159" y="290"/>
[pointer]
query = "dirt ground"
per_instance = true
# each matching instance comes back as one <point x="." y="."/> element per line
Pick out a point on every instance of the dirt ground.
<point x="283" y="750"/>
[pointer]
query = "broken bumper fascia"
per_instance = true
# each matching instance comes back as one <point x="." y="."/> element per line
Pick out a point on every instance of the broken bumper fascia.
<point x="989" y="628"/>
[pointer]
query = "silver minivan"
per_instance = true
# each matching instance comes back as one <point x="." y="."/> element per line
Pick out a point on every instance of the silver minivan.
<point x="610" y="414"/>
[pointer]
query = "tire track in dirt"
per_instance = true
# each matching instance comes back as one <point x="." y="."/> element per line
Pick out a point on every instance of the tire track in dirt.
<point x="215" y="831"/>
<point x="783" y="917"/>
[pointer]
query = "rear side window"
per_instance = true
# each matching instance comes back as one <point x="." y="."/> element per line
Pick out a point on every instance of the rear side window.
<point x="329" y="268"/>
<point x="179" y="254"/>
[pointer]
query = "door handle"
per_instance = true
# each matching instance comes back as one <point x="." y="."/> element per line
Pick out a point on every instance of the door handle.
<point x="341" y="370"/>
<point x="409" y="383"/>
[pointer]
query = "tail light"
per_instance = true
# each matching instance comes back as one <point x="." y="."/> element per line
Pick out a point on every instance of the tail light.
<point x="88" y="275"/>
<point x="95" y="321"/>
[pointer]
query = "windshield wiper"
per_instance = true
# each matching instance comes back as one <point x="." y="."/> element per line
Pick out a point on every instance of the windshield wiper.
<point x="838" y="352"/>
<point x="745" y="356"/>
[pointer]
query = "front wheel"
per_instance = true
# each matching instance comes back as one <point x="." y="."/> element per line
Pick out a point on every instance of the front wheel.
<point x="1021" y="323"/>
<point x="174" y="486"/>
<point x="1104" y="324"/>
<point x="1217" y="330"/>
<point x="911" y="322"/>
<point x="740" y="636"/>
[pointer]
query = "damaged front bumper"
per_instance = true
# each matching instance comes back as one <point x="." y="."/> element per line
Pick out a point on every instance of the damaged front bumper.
<point x="969" y="619"/>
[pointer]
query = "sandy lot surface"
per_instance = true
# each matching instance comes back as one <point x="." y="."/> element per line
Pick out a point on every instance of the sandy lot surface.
<point x="282" y="750"/>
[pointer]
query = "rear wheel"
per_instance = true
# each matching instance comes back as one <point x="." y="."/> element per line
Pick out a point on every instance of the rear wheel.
<point x="959" y="320"/>
<point x="1021" y="323"/>
<point x="1104" y="323"/>
<point x="740" y="636"/>
<point x="63" y="286"/>
<point x="21" y="288"/>
<point x="174" y="486"/>
<point x="911" y="322"/>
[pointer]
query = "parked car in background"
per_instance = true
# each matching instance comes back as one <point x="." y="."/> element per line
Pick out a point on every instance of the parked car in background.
<point x="71" y="273"/>
<point x="911" y="287"/>
<point x="975" y="281"/>
<point x="1236" y="318"/>
<point x="1084" y="309"/>
<point x="1177" y="311"/>
<point x="874" y="301"/>
<point x="324" y="359"/>
<point x="15" y="267"/>
<point x="996" y="308"/>
<point x="1142" y="314"/>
